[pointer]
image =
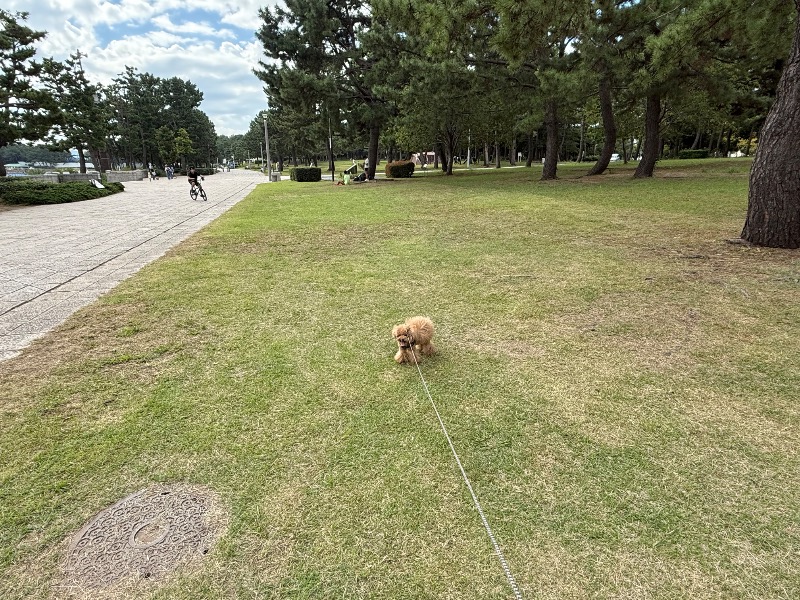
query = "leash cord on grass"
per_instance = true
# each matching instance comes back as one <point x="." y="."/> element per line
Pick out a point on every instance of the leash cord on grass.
<point x="511" y="581"/>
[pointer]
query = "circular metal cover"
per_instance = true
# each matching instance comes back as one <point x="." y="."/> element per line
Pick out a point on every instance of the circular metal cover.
<point x="144" y="536"/>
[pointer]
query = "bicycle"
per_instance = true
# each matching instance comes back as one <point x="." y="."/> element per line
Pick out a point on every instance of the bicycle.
<point x="197" y="190"/>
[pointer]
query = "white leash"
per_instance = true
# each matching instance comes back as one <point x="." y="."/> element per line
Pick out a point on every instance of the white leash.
<point x="511" y="581"/>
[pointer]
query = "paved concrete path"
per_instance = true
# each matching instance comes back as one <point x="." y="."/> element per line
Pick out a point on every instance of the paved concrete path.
<point x="57" y="259"/>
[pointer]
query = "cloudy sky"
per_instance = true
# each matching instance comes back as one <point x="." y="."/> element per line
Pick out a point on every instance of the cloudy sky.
<point x="208" y="42"/>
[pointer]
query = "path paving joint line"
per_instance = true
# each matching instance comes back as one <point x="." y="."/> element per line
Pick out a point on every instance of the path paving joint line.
<point x="58" y="258"/>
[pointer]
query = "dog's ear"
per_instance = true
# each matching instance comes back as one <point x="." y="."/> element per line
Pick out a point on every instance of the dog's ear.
<point x="396" y="330"/>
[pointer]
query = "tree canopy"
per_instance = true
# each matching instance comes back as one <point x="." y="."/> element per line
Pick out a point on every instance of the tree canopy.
<point x="26" y="110"/>
<point x="138" y="119"/>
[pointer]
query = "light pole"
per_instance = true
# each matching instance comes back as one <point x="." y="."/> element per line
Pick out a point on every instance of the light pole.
<point x="331" y="166"/>
<point x="469" y="147"/>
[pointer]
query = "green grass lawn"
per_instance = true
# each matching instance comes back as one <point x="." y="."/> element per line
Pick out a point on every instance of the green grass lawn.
<point x="620" y="382"/>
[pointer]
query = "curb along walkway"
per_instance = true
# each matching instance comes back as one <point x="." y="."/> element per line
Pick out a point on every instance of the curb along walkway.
<point x="59" y="258"/>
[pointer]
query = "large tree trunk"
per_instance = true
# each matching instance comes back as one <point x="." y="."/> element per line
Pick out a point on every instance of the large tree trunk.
<point x="652" y="142"/>
<point x="96" y="160"/>
<point x="609" y="127"/>
<point x="773" y="212"/>
<point x="451" y="141"/>
<point x="441" y="157"/>
<point x="697" y="138"/>
<point x="551" y="147"/>
<point x="372" y="152"/>
<point x="529" y="160"/>
<point x="81" y="158"/>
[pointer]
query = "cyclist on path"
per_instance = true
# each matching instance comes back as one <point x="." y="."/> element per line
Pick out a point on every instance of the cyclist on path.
<point x="192" y="176"/>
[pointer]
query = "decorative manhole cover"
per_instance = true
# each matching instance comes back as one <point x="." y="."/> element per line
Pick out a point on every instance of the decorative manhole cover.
<point x="144" y="536"/>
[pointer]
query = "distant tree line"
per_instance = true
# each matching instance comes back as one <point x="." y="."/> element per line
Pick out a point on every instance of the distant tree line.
<point x="137" y="119"/>
<point x="554" y="79"/>
<point x="34" y="155"/>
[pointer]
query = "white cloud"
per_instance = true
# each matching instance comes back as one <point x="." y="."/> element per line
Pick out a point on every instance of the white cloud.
<point x="207" y="42"/>
<point x="202" y="28"/>
<point x="163" y="39"/>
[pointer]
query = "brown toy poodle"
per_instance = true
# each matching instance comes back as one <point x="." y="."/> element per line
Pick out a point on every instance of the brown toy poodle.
<point x="413" y="339"/>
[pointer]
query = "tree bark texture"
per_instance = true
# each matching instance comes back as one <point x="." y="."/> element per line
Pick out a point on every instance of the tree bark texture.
<point x="773" y="211"/>
<point x="529" y="160"/>
<point x="697" y="138"/>
<point x="451" y="143"/>
<point x="551" y="146"/>
<point x="652" y="143"/>
<point x="372" y="152"/>
<point x="609" y="128"/>
<point x="442" y="156"/>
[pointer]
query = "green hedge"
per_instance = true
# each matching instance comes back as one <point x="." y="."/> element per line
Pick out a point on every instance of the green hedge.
<point x="399" y="168"/>
<point x="693" y="154"/>
<point x="306" y="174"/>
<point x="200" y="171"/>
<point x="14" y="191"/>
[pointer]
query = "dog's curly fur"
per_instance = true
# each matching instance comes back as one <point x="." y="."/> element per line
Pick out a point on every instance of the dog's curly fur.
<point x="413" y="339"/>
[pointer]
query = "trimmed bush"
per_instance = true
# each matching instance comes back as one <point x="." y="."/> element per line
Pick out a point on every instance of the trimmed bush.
<point x="114" y="186"/>
<point x="693" y="154"/>
<point x="43" y="192"/>
<point x="200" y="171"/>
<point x="306" y="174"/>
<point x="399" y="168"/>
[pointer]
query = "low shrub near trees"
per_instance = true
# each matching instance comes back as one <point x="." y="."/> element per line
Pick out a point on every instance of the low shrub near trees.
<point x="16" y="191"/>
<point x="399" y="168"/>
<point x="693" y="154"/>
<point x="306" y="174"/>
<point x="200" y="170"/>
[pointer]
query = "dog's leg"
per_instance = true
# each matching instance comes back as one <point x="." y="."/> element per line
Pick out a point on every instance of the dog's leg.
<point x="427" y="349"/>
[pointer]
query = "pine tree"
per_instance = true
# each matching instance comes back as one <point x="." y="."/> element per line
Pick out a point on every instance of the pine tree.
<point x="320" y="69"/>
<point x="83" y="115"/>
<point x="773" y="213"/>
<point x="26" y="112"/>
